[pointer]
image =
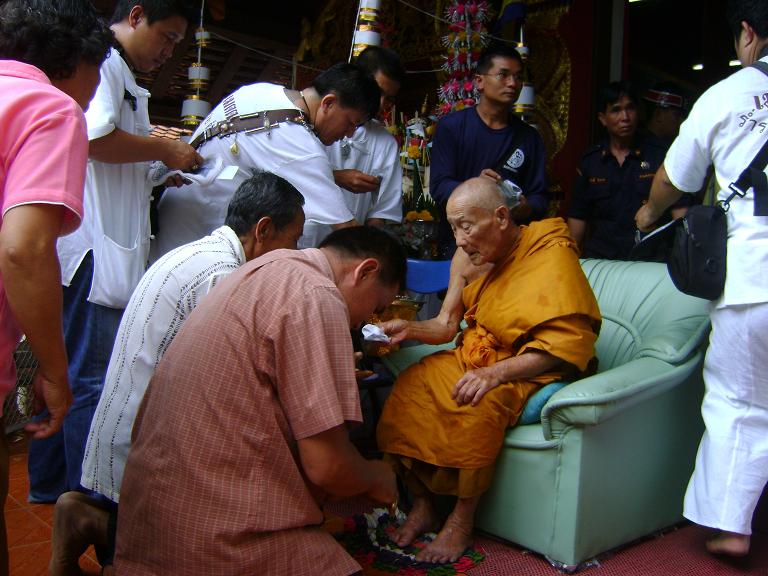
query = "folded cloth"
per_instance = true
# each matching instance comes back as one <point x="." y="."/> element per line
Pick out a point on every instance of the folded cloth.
<point x="207" y="173"/>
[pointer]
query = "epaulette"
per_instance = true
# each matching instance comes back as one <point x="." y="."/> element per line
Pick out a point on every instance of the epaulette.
<point x="592" y="150"/>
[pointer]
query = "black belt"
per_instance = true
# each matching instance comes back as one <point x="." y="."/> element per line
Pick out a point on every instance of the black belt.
<point x="249" y="123"/>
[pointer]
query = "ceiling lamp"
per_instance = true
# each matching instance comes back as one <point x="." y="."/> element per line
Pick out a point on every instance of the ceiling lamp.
<point x="526" y="101"/>
<point x="195" y="109"/>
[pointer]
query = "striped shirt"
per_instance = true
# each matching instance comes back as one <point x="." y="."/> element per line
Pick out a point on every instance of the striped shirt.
<point x="162" y="301"/>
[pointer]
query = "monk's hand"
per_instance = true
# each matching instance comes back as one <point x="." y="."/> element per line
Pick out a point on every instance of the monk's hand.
<point x="396" y="329"/>
<point x="471" y="388"/>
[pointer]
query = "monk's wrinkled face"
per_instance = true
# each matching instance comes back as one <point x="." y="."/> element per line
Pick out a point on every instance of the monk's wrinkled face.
<point x="477" y="230"/>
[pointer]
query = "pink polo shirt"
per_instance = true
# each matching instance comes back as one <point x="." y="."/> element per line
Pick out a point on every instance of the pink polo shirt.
<point x="43" y="154"/>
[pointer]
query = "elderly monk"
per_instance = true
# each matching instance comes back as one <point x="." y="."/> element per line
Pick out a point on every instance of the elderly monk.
<point x="531" y="319"/>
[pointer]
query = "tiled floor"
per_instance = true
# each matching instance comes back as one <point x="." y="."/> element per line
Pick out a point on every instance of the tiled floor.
<point x="29" y="525"/>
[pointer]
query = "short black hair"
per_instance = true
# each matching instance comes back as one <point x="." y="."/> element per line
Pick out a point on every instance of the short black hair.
<point x="613" y="92"/>
<point x="157" y="10"/>
<point x="263" y="194"/>
<point x="753" y="12"/>
<point x="53" y="35"/>
<point x="496" y="50"/>
<point x="352" y="85"/>
<point x="371" y="242"/>
<point x="377" y="59"/>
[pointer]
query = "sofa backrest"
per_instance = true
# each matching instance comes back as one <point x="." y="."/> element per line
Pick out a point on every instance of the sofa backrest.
<point x="644" y="315"/>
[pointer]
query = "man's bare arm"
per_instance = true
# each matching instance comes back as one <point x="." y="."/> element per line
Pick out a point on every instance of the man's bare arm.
<point x="121" y="147"/>
<point x="30" y="269"/>
<point x="348" y="224"/>
<point x="332" y="463"/>
<point x="663" y="195"/>
<point x="443" y="327"/>
<point x="577" y="228"/>
<point x="356" y="181"/>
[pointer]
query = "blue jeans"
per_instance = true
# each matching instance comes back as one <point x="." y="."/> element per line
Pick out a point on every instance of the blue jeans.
<point x="55" y="463"/>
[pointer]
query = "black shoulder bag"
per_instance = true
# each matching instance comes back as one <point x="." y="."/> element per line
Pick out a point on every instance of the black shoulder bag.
<point x="697" y="260"/>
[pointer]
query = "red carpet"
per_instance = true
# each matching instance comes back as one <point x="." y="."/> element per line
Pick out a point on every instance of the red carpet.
<point x="678" y="552"/>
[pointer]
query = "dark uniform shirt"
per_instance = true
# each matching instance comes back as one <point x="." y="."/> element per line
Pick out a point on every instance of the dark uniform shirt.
<point x="607" y="196"/>
<point x="464" y="145"/>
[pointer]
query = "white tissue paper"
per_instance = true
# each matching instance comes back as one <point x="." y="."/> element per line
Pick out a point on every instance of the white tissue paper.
<point x="372" y="333"/>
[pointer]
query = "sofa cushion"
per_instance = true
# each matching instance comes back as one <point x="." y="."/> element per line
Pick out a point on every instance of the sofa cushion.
<point x="532" y="411"/>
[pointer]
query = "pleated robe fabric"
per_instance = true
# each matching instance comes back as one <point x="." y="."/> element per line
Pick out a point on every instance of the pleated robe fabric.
<point x="537" y="298"/>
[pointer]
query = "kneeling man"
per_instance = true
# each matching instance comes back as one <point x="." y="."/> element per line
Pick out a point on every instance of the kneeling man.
<point x="531" y="319"/>
<point x="243" y="430"/>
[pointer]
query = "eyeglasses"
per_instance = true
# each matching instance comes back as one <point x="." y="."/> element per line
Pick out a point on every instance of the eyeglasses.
<point x="504" y="76"/>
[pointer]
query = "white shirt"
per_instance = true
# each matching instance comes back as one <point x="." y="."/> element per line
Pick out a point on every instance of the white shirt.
<point x="117" y="196"/>
<point x="289" y="150"/>
<point x="162" y="301"/>
<point x="372" y="150"/>
<point x="726" y="129"/>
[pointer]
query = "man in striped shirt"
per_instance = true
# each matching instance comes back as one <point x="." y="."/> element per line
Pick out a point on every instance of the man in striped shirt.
<point x="264" y="214"/>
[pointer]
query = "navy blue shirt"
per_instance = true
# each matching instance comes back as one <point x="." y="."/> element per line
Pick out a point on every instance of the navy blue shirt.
<point x="607" y="196"/>
<point x="464" y="145"/>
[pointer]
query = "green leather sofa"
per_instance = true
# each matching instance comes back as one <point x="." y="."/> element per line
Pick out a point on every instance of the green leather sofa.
<point x="610" y="459"/>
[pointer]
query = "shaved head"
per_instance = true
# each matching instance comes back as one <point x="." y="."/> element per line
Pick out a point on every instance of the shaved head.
<point x="478" y="193"/>
<point x="479" y="219"/>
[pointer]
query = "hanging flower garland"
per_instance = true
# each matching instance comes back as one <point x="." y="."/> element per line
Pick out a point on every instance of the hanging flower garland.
<point x="466" y="38"/>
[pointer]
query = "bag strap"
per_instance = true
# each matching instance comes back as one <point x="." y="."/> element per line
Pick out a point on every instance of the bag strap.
<point x="753" y="175"/>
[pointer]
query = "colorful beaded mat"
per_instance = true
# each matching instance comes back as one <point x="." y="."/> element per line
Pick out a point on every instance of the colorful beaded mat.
<point x="366" y="538"/>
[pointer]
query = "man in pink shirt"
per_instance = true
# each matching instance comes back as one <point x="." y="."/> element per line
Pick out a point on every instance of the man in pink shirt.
<point x="45" y="83"/>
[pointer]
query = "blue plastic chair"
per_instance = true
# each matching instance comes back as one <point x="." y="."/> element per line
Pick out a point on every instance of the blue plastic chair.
<point x="427" y="276"/>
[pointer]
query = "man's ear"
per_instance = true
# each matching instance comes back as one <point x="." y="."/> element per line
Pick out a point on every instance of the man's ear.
<point x="748" y="32"/>
<point x="365" y="270"/>
<point x="601" y="118"/>
<point x="479" y="80"/>
<point x="328" y="101"/>
<point x="262" y="230"/>
<point x="502" y="216"/>
<point x="135" y="16"/>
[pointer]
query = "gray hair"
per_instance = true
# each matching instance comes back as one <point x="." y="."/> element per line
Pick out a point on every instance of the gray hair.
<point x="263" y="194"/>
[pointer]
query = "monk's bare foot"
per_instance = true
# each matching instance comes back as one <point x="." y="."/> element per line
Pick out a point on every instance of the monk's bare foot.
<point x="450" y="544"/>
<point x="729" y="544"/>
<point x="422" y="518"/>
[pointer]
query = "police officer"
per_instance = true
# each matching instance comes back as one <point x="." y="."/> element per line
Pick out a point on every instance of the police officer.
<point x="614" y="178"/>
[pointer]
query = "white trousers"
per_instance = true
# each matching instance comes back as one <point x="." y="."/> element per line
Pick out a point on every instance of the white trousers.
<point x="732" y="461"/>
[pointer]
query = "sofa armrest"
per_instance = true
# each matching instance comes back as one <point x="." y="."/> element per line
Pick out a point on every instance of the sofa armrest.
<point x="597" y="398"/>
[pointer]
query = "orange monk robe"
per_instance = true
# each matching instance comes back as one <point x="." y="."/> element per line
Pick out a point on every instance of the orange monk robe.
<point x="537" y="298"/>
